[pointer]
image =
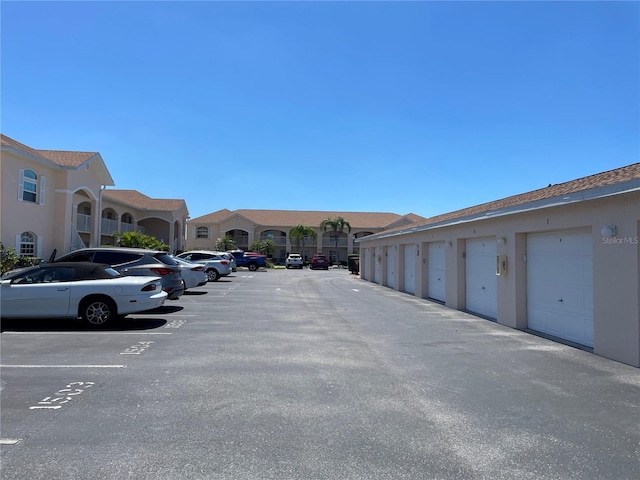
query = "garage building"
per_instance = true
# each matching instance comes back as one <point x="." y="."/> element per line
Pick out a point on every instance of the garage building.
<point x="562" y="262"/>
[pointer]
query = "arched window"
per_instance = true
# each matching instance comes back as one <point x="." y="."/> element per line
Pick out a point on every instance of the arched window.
<point x="27" y="244"/>
<point x="202" y="232"/>
<point x="29" y="186"/>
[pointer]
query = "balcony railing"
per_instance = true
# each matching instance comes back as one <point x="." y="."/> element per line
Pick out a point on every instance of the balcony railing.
<point x="84" y="223"/>
<point x="279" y="241"/>
<point x="331" y="242"/>
<point x="108" y="226"/>
<point x="127" y="227"/>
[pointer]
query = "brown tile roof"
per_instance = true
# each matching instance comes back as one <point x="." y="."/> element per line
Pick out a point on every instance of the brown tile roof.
<point x="138" y="200"/>
<point x="611" y="177"/>
<point x="309" y="218"/>
<point x="61" y="158"/>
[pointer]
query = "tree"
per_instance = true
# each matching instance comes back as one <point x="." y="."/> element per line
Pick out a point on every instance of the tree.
<point x="336" y="225"/>
<point x="300" y="232"/>
<point x="265" y="247"/>
<point x="140" y="240"/>
<point x="225" y="243"/>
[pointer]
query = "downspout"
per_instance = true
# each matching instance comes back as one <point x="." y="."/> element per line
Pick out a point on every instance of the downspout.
<point x="100" y="215"/>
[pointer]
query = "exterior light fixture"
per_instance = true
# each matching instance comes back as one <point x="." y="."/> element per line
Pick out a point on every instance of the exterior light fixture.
<point x="608" y="231"/>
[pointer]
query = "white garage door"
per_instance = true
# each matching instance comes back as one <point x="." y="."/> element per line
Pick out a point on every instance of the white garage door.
<point x="436" y="271"/>
<point x="391" y="274"/>
<point x="480" y="280"/>
<point x="410" y="269"/>
<point x="560" y="284"/>
<point x="377" y="265"/>
<point x="364" y="264"/>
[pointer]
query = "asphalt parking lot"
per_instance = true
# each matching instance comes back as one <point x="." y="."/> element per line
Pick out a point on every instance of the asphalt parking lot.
<point x="299" y="374"/>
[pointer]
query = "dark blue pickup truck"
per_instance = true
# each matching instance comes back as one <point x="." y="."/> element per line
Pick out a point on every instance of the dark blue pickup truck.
<point x="251" y="260"/>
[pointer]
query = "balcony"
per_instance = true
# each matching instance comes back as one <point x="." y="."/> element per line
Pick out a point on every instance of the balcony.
<point x="108" y="227"/>
<point x="331" y="242"/>
<point x="84" y="223"/>
<point x="278" y="241"/>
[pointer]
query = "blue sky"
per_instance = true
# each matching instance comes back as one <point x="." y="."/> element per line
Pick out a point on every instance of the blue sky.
<point x="422" y="107"/>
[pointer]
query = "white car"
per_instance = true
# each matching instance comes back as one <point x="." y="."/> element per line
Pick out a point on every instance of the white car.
<point x="294" y="260"/>
<point x="95" y="292"/>
<point x="193" y="274"/>
<point x="214" y="263"/>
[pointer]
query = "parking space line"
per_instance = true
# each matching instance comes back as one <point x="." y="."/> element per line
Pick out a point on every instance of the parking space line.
<point x="88" y="333"/>
<point x="9" y="441"/>
<point x="64" y="366"/>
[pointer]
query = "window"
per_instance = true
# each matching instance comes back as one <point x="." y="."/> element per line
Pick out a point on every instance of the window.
<point x="28" y="186"/>
<point x="202" y="232"/>
<point x="27" y="244"/>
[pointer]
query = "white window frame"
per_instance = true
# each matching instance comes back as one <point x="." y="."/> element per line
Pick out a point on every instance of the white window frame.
<point x="38" y="186"/>
<point x="199" y="231"/>
<point x="26" y="244"/>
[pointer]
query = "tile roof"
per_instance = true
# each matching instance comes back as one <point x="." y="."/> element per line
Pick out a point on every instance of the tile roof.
<point x="138" y="200"/>
<point x="62" y="158"/>
<point x="604" y="179"/>
<point x="310" y="218"/>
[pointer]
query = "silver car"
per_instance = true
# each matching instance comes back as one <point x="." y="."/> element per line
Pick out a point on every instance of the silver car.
<point x="214" y="263"/>
<point x="193" y="274"/>
<point x="134" y="261"/>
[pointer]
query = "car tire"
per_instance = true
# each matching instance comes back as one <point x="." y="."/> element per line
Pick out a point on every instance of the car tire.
<point x="213" y="275"/>
<point x="98" y="312"/>
<point x="253" y="267"/>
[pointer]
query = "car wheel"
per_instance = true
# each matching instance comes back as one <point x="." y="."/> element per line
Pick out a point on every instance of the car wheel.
<point x="184" y="286"/>
<point x="253" y="267"/>
<point x="213" y="275"/>
<point x="97" y="312"/>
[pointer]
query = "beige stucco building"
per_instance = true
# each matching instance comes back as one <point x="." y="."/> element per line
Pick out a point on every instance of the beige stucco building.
<point x="562" y="262"/>
<point x="247" y="226"/>
<point x="59" y="200"/>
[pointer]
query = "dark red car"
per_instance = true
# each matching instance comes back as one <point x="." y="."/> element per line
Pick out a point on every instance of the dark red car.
<point x="319" y="261"/>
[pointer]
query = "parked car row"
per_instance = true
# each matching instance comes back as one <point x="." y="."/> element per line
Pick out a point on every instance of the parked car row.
<point x="102" y="284"/>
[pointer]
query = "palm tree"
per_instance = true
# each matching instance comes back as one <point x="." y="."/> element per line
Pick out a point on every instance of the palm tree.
<point x="300" y="232"/>
<point x="337" y="224"/>
<point x="225" y="243"/>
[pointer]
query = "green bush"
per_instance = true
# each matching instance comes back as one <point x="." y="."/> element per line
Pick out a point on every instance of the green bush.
<point x="11" y="260"/>
<point x="140" y="240"/>
<point x="8" y="257"/>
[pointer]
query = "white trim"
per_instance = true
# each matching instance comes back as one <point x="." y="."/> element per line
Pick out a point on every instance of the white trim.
<point x="20" y="184"/>
<point x="41" y="192"/>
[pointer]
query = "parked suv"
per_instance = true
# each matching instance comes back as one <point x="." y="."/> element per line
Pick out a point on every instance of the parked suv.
<point x="319" y="261"/>
<point x="215" y="263"/>
<point x="294" y="260"/>
<point x="134" y="261"/>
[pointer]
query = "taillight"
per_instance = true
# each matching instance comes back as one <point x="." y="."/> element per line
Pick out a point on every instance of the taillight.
<point x="197" y="269"/>
<point x="162" y="271"/>
<point x="149" y="288"/>
<point x="223" y="262"/>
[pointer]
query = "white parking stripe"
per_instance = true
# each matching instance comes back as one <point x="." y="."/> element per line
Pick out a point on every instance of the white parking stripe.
<point x="63" y="366"/>
<point x="88" y="333"/>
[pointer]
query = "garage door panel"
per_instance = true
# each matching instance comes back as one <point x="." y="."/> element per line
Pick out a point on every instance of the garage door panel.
<point x="560" y="285"/>
<point x="480" y="282"/>
<point x="436" y="275"/>
<point x="409" y="268"/>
